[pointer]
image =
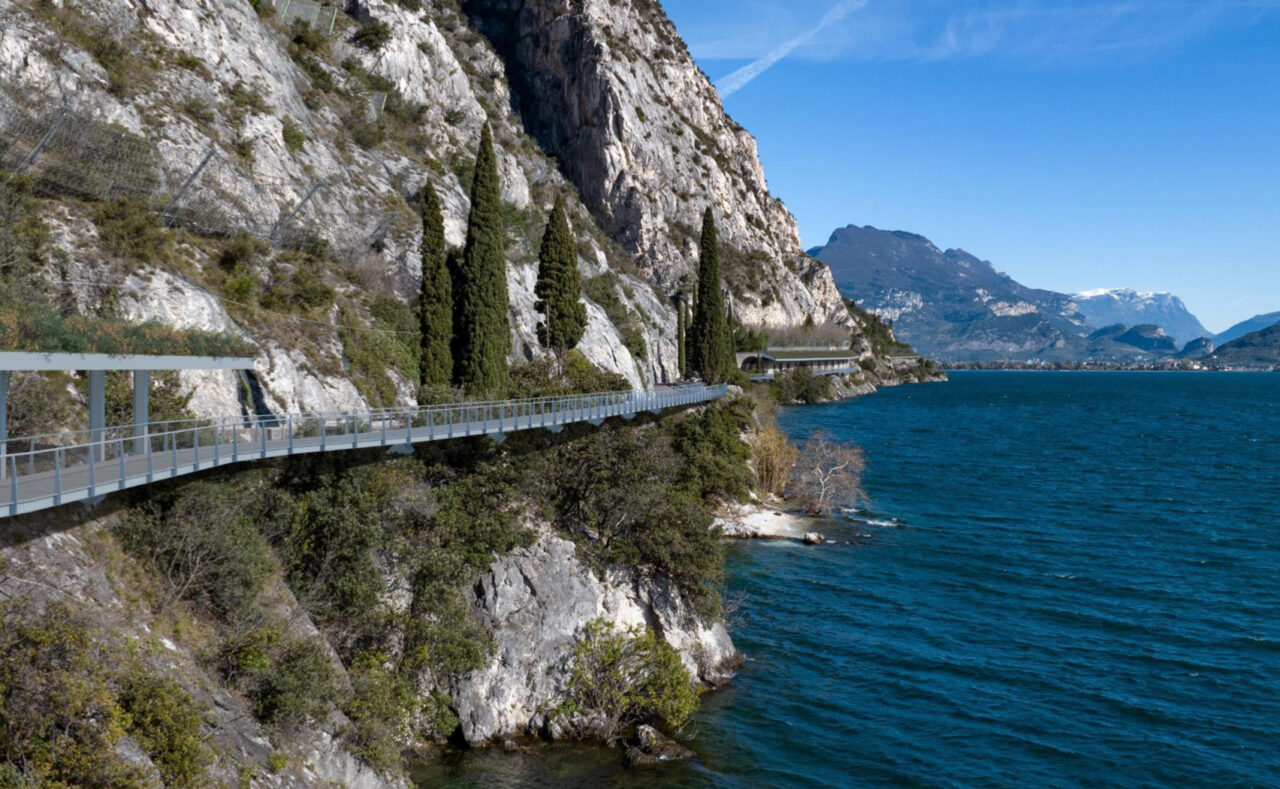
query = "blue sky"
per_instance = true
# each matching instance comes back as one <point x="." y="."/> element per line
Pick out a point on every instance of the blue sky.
<point x="1076" y="145"/>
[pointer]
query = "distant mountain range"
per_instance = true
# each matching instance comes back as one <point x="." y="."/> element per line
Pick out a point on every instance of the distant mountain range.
<point x="1256" y="323"/>
<point x="953" y="306"/>
<point x="1259" y="348"/>
<point x="1133" y="308"/>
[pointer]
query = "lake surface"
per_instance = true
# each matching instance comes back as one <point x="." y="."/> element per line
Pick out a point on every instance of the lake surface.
<point x="1063" y="579"/>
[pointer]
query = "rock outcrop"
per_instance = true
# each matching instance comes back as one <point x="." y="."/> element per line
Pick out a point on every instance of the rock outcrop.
<point x="534" y="602"/>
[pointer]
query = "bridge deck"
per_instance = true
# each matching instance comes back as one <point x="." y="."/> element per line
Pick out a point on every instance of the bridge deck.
<point x="45" y="476"/>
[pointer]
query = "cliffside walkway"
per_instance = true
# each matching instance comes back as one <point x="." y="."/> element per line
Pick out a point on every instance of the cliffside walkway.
<point x="67" y="467"/>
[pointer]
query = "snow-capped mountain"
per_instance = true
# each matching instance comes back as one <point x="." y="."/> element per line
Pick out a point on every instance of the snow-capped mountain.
<point x="1109" y="306"/>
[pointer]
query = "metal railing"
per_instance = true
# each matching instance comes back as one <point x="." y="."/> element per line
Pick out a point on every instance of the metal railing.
<point x="54" y="469"/>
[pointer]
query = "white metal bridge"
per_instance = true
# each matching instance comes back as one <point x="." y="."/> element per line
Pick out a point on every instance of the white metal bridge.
<point x="46" y="471"/>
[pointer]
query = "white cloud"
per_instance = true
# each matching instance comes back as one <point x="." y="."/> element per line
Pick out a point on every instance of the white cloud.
<point x="738" y="79"/>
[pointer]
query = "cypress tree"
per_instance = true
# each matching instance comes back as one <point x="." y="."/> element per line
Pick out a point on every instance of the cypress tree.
<point x="682" y="357"/>
<point x="480" y="292"/>
<point x="435" y="301"/>
<point x="559" y="286"/>
<point x="710" y="349"/>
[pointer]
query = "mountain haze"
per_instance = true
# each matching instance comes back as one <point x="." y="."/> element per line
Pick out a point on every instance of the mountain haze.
<point x="1256" y="323"/>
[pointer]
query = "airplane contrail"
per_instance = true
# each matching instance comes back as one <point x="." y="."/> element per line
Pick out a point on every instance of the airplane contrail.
<point x="739" y="79"/>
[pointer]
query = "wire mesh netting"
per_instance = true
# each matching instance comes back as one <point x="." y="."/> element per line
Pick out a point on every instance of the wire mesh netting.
<point x="67" y="154"/>
<point x="318" y="15"/>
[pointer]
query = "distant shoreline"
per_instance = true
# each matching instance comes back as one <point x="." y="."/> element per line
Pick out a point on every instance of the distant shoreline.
<point x="1031" y="369"/>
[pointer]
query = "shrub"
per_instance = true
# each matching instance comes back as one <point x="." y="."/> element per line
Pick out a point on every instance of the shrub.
<point x="249" y="99"/>
<point x="802" y="386"/>
<point x="24" y="240"/>
<point x="618" y="679"/>
<point x="294" y="139"/>
<point x="828" y="475"/>
<point x="774" y="456"/>
<point x="716" y="457"/>
<point x="373" y="35"/>
<point x="576" y="375"/>
<point x="59" y="721"/>
<point x="38" y="327"/>
<point x="382" y="707"/>
<point x="243" y="250"/>
<point x="130" y="230"/>
<point x="204" y="543"/>
<point x="623" y="495"/>
<point x="301" y="685"/>
<point x="165" y="722"/>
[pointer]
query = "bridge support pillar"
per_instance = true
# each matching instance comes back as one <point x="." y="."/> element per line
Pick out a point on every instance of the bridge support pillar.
<point x="498" y="438"/>
<point x="4" y="423"/>
<point x="141" y="415"/>
<point x="97" y="412"/>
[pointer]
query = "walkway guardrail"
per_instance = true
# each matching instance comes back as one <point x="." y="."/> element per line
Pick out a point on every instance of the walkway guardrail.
<point x="46" y="471"/>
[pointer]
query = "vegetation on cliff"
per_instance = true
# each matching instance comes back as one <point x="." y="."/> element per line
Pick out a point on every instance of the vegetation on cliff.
<point x="435" y="296"/>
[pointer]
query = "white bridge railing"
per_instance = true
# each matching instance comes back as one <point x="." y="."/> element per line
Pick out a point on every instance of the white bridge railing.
<point x="39" y="472"/>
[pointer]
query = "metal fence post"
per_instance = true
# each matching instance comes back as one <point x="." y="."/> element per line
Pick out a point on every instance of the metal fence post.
<point x="165" y="215"/>
<point x="44" y="141"/>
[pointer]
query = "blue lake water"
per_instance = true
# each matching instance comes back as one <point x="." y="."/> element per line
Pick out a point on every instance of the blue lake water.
<point x="1063" y="579"/>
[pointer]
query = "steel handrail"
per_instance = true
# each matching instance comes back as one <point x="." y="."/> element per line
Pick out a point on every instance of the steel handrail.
<point x="190" y="445"/>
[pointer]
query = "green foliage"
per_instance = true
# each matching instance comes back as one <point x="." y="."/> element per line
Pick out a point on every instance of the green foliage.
<point x="576" y="375"/>
<point x="165" y="722"/>
<point x="37" y="327"/>
<point x="372" y="351"/>
<point x="243" y="249"/>
<point x="559" y="286"/>
<point x="131" y="231"/>
<point x="372" y="35"/>
<point x="715" y="455"/>
<point x="300" y="685"/>
<point x="456" y="543"/>
<point x="480" y="291"/>
<point x="24" y="241"/>
<point x="710" y="352"/>
<point x="802" y="386"/>
<point x="435" y="299"/>
<point x="297" y="283"/>
<point x="263" y="8"/>
<point x="204" y="544"/>
<point x="629" y="677"/>
<point x="293" y="136"/>
<point x="59" y="719"/>
<point x="625" y="496"/>
<point x="381" y="707"/>
<point x="38" y="404"/>
<point x="248" y="99"/>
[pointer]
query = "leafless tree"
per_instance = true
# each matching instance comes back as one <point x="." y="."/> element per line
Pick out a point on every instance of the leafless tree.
<point x="827" y="475"/>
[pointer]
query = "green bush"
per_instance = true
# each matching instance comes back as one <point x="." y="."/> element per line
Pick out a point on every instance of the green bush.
<point x="624" y="678"/>
<point x="164" y="721"/>
<point x="381" y="707"/>
<point x="622" y="494"/>
<point x="37" y="327"/>
<point x="715" y="455"/>
<point x="59" y="719"/>
<point x="293" y="136"/>
<point x="248" y="99"/>
<point x="243" y="250"/>
<point x="24" y="241"/>
<point x="373" y="35"/>
<point x="129" y="229"/>
<point x="301" y="685"/>
<point x="204" y="543"/>
<point x="576" y="375"/>
<point x="802" y="386"/>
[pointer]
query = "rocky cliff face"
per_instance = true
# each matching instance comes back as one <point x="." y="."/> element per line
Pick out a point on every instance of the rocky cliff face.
<point x="617" y="111"/>
<point x="611" y="91"/>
